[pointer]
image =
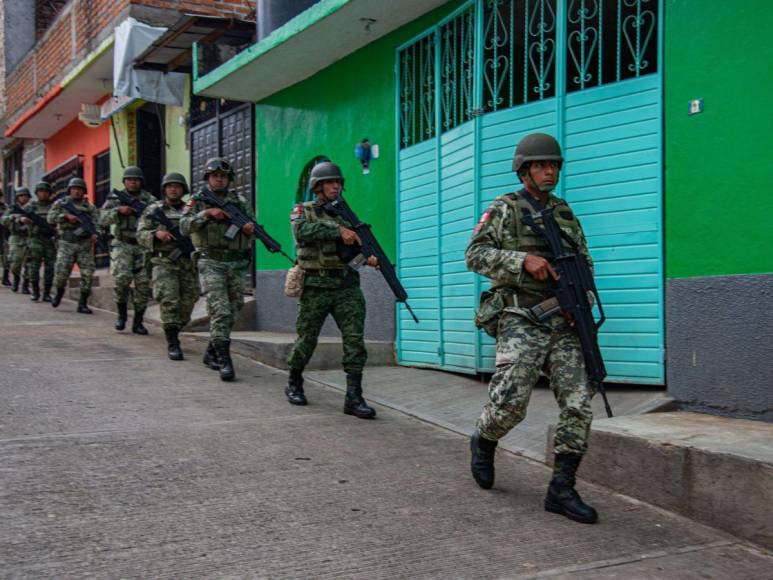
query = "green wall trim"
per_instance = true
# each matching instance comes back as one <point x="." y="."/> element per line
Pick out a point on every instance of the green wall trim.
<point x="293" y="27"/>
<point x="718" y="202"/>
<point x="328" y="114"/>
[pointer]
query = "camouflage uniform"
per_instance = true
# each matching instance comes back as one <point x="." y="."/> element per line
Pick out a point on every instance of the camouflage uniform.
<point x="330" y="287"/>
<point x="3" y="244"/>
<point x="42" y="249"/>
<point x="524" y="346"/>
<point x="222" y="264"/>
<point x="128" y="259"/>
<point x="18" y="245"/>
<point x="73" y="249"/>
<point x="175" y="284"/>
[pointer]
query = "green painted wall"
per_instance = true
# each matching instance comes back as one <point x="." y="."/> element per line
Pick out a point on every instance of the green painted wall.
<point x="719" y="163"/>
<point x="328" y="114"/>
<point x="178" y="155"/>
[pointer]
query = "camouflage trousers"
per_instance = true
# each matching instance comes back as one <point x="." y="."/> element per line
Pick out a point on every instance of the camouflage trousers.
<point x="3" y="253"/>
<point x="17" y="254"/>
<point x="524" y="349"/>
<point x="176" y="289"/>
<point x="69" y="253"/>
<point x="128" y="263"/>
<point x="223" y="285"/>
<point x="41" y="252"/>
<point x="347" y="306"/>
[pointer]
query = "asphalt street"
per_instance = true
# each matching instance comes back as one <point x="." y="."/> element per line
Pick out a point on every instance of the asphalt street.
<point x="118" y="463"/>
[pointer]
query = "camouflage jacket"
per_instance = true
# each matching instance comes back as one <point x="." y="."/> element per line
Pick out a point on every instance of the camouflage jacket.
<point x="494" y="249"/>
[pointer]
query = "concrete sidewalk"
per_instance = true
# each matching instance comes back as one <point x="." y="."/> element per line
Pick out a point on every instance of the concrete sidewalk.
<point x="454" y="401"/>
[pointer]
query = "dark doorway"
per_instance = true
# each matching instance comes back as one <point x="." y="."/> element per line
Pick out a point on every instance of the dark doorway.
<point x="151" y="146"/>
<point x="12" y="171"/>
<point x="101" y="189"/>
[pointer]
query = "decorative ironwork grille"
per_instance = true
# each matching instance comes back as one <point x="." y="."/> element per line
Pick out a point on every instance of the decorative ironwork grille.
<point x="457" y="69"/>
<point x="417" y="92"/>
<point x="609" y="41"/>
<point x="519" y="52"/>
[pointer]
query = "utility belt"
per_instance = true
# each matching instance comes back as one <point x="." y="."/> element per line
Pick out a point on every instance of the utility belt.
<point x="540" y="310"/>
<point x="130" y="241"/>
<point x="224" y="255"/>
<point x="73" y="238"/>
<point x="328" y="273"/>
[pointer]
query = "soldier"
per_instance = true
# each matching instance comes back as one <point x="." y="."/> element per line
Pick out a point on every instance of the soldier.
<point x="330" y="287"/>
<point x="223" y="263"/>
<point x="4" y="262"/>
<point x="516" y="259"/>
<point x="75" y="246"/>
<point x="18" y="241"/>
<point x="127" y="257"/>
<point x="175" y="284"/>
<point x="42" y="248"/>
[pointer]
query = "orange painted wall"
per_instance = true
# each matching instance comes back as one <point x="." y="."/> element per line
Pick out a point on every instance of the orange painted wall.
<point x="77" y="139"/>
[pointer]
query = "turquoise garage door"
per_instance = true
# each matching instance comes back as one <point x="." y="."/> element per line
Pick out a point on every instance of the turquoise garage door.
<point x="469" y="90"/>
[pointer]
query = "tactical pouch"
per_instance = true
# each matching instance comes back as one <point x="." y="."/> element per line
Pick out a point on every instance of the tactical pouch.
<point x="492" y="305"/>
<point x="294" y="282"/>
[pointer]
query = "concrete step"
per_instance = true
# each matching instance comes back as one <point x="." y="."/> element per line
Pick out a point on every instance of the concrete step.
<point x="716" y="470"/>
<point x="272" y="348"/>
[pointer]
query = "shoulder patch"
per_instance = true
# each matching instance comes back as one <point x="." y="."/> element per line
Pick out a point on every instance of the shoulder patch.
<point x="297" y="212"/>
<point x="189" y="206"/>
<point x="483" y="219"/>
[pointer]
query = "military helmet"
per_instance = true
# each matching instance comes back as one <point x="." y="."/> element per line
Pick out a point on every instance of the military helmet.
<point x="21" y="191"/>
<point x="76" y="182"/>
<point x="133" y="172"/>
<point x="218" y="164"/>
<point x="44" y="185"/>
<point x="537" y="147"/>
<point x="174" y="178"/>
<point x="324" y="171"/>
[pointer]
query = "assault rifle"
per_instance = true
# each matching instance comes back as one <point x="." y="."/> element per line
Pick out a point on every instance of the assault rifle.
<point x="356" y="255"/>
<point x="238" y="219"/>
<point x="129" y="200"/>
<point x="47" y="230"/>
<point x="574" y="286"/>
<point x="86" y="228"/>
<point x="184" y="243"/>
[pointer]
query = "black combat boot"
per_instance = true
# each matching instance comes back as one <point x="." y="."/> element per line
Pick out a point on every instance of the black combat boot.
<point x="35" y="292"/>
<point x="25" y="286"/>
<point x="173" y="343"/>
<point x="482" y="459"/>
<point x="15" y="285"/>
<point x="58" y="297"/>
<point x="223" y="349"/>
<point x="294" y="389"/>
<point x="120" y="321"/>
<point x="354" y="404"/>
<point x="137" y="326"/>
<point x="562" y="497"/>
<point x="47" y="292"/>
<point x="83" y="308"/>
<point x="210" y="357"/>
<point x="6" y="278"/>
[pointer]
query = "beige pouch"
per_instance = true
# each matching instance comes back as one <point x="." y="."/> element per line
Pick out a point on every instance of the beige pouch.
<point x="294" y="282"/>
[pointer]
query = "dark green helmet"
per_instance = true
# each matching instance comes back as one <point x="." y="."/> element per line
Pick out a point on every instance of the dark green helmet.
<point x="324" y="171"/>
<point x="175" y="178"/>
<point x="133" y="172"/>
<point x="43" y="185"/>
<point x="537" y="147"/>
<point x="76" y="182"/>
<point x="219" y="164"/>
<point x="21" y="191"/>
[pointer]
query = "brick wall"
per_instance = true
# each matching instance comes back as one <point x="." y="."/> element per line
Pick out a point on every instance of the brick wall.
<point x="78" y="29"/>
